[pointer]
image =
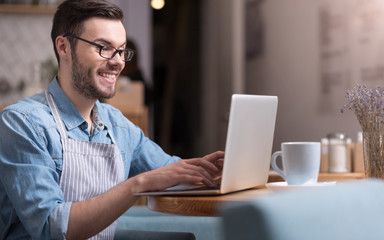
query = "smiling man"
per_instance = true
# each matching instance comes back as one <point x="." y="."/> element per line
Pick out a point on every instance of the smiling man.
<point x="70" y="164"/>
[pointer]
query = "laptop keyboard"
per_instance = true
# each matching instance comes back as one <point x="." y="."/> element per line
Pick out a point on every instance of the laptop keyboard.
<point x="191" y="187"/>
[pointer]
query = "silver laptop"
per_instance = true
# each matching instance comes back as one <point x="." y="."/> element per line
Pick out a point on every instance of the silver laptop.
<point x="248" y="148"/>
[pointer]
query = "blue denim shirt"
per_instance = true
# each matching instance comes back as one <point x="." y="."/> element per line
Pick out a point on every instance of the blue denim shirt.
<point x="31" y="160"/>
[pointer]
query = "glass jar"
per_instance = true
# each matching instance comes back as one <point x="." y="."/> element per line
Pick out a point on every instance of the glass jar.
<point x="337" y="153"/>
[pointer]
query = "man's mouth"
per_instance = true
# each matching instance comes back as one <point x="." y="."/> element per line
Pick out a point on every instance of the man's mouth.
<point x="110" y="78"/>
<point x="108" y="75"/>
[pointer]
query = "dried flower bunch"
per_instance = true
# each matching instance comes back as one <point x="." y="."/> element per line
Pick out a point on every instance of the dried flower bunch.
<point x="368" y="106"/>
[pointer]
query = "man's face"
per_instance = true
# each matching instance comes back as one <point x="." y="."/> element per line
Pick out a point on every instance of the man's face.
<point x="93" y="76"/>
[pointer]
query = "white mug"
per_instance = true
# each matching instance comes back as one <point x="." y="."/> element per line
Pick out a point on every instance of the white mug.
<point x="300" y="160"/>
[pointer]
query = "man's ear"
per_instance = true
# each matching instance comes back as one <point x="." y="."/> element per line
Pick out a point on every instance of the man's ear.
<point x="63" y="48"/>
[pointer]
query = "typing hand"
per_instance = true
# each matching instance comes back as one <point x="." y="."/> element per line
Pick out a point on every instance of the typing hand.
<point x="205" y="170"/>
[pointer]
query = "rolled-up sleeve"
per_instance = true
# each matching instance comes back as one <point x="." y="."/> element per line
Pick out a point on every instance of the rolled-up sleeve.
<point x="59" y="220"/>
<point x="29" y="181"/>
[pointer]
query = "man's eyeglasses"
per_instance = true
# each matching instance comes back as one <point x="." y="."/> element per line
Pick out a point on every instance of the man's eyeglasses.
<point x="108" y="52"/>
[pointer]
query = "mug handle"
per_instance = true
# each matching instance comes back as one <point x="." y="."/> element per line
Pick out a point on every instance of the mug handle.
<point x="274" y="165"/>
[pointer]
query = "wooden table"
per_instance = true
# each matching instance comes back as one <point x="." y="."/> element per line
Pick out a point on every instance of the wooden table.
<point x="275" y="177"/>
<point x="210" y="205"/>
<point x="200" y="205"/>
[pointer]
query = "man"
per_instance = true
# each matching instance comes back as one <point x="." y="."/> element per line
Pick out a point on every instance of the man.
<point x="69" y="164"/>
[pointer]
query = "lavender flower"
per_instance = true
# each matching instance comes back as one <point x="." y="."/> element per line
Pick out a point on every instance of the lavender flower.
<point x="368" y="106"/>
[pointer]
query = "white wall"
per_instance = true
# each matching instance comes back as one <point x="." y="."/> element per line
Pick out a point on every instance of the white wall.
<point x="292" y="65"/>
<point x="25" y="44"/>
<point x="302" y="41"/>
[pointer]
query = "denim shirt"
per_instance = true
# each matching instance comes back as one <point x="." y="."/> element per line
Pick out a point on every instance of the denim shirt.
<point x="31" y="160"/>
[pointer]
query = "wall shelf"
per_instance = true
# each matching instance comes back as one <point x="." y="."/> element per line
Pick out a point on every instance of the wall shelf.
<point x="27" y="9"/>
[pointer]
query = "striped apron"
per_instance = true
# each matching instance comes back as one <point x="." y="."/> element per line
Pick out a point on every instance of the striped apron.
<point x="89" y="168"/>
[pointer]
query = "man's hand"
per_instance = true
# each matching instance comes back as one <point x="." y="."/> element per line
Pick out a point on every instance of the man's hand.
<point x="194" y="170"/>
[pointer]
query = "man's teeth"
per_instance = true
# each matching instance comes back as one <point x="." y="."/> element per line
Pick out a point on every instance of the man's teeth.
<point x="107" y="75"/>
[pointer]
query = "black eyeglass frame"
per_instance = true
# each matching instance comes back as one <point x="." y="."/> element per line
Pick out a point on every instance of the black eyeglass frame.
<point x="130" y="52"/>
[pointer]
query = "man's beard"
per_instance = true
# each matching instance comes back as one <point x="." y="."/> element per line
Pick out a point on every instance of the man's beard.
<point x="82" y="81"/>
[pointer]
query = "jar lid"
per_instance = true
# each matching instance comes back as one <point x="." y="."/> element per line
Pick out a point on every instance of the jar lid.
<point x="341" y="136"/>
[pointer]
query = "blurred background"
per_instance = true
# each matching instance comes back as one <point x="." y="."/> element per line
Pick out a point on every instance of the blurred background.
<point x="194" y="54"/>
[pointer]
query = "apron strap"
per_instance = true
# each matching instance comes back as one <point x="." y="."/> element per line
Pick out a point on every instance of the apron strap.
<point x="56" y="115"/>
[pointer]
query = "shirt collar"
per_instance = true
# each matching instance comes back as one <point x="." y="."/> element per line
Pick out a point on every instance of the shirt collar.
<point x="97" y="119"/>
<point x="101" y="116"/>
<point x="69" y="114"/>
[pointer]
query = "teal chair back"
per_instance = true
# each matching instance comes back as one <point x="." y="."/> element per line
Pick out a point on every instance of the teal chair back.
<point x="353" y="211"/>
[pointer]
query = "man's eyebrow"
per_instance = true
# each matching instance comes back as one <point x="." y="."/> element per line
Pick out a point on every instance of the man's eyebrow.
<point x="108" y="42"/>
<point x="103" y="40"/>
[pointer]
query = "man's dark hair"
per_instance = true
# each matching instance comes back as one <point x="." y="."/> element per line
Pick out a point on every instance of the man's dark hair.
<point x="71" y="14"/>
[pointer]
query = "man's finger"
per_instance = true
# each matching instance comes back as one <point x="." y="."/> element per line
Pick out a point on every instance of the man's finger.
<point x="203" y="163"/>
<point x="214" y="156"/>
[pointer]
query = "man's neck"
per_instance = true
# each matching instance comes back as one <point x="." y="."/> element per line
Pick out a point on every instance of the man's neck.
<point x="83" y="104"/>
